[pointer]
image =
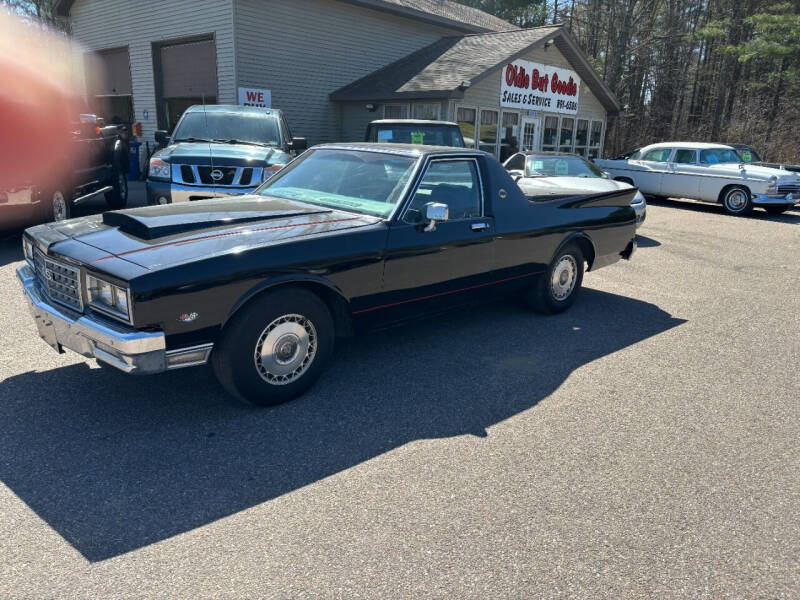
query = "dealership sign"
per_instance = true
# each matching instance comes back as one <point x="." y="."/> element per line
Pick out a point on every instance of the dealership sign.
<point x="530" y="85"/>
<point x="255" y="97"/>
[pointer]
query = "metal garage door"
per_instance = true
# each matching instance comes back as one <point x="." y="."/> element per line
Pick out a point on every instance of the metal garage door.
<point x="108" y="76"/>
<point x="188" y="76"/>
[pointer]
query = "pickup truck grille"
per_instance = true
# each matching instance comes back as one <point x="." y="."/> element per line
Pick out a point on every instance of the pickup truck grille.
<point x="790" y="188"/>
<point x="230" y="176"/>
<point x="59" y="281"/>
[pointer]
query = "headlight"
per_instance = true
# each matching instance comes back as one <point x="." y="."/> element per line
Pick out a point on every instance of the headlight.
<point x="772" y="184"/>
<point x="638" y="198"/>
<point x="268" y="172"/>
<point x="109" y="298"/>
<point x="27" y="249"/>
<point x="159" y="169"/>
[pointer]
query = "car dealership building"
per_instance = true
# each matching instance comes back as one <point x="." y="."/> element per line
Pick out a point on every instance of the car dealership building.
<point x="334" y="65"/>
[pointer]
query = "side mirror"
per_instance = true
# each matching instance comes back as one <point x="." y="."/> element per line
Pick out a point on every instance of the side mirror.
<point x="162" y="138"/>
<point x="435" y="211"/>
<point x="298" y="144"/>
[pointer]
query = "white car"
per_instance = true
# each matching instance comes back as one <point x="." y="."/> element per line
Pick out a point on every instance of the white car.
<point x="542" y="175"/>
<point x="706" y="172"/>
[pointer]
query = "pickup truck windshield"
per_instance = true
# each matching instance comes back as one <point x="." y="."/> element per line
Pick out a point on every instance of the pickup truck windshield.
<point x="224" y="126"/>
<point x="546" y="165"/>
<point x="370" y="183"/>
<point x="426" y="135"/>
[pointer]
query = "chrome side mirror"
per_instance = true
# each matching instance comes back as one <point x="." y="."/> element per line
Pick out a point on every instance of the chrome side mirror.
<point x="435" y="211"/>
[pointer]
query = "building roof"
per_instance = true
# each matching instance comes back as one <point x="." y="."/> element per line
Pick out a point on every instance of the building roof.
<point x="446" y="13"/>
<point x="447" y="67"/>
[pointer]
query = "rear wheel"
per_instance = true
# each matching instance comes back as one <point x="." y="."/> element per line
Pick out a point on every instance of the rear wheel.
<point x="776" y="210"/>
<point x="737" y="200"/>
<point x="118" y="197"/>
<point x="275" y="348"/>
<point x="555" y="291"/>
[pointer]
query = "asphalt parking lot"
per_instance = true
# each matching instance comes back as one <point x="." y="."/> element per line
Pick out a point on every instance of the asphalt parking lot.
<point x="642" y="445"/>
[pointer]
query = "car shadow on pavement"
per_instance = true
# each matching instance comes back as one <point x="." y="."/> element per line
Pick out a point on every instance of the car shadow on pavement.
<point x="791" y="216"/>
<point x="646" y="242"/>
<point x="114" y="462"/>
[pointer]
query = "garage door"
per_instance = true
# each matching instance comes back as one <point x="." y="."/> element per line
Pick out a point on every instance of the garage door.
<point x="188" y="76"/>
<point x="108" y="77"/>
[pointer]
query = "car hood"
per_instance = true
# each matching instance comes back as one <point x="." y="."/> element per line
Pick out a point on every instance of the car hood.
<point x="541" y="186"/>
<point x="222" y="155"/>
<point x="155" y="237"/>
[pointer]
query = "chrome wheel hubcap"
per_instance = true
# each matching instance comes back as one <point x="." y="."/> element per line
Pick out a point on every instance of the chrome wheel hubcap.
<point x="285" y="349"/>
<point x="59" y="207"/>
<point x="737" y="200"/>
<point x="565" y="273"/>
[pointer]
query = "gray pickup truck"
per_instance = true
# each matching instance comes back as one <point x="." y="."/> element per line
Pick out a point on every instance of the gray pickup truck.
<point x="219" y="150"/>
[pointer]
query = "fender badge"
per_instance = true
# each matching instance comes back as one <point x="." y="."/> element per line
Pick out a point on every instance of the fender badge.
<point x="502" y="193"/>
<point x="188" y="317"/>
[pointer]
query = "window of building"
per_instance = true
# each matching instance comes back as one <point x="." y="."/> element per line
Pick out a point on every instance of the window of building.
<point x="465" y="118"/>
<point x="488" y="131"/>
<point x="451" y="182"/>
<point x="550" y="134"/>
<point x="582" y="137"/>
<point x="596" y="139"/>
<point x="428" y="111"/>
<point x="509" y="142"/>
<point x="395" y="111"/>
<point x="565" y="138"/>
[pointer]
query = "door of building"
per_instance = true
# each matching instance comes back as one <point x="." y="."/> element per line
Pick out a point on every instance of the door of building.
<point x="529" y="133"/>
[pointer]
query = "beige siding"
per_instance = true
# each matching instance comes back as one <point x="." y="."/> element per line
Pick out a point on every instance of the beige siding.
<point x="303" y="50"/>
<point x="100" y="24"/>
<point x="486" y="92"/>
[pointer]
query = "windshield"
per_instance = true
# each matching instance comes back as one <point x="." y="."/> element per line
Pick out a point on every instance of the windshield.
<point x="546" y="165"/>
<point x="748" y="155"/>
<point x="409" y="133"/>
<point x="369" y="183"/>
<point x="715" y="156"/>
<point x="214" y="126"/>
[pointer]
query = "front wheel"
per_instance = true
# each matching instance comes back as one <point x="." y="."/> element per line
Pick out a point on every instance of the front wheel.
<point x="275" y="348"/>
<point x="555" y="291"/>
<point x="118" y="197"/>
<point x="737" y="200"/>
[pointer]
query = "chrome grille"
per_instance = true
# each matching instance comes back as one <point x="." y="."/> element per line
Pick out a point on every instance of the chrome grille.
<point x="227" y="176"/>
<point x="59" y="281"/>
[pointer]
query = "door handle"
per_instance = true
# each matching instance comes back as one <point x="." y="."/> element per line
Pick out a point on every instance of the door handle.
<point x="479" y="226"/>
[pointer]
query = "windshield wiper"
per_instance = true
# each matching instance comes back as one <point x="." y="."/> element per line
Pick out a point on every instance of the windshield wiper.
<point x="192" y="139"/>
<point x="248" y="142"/>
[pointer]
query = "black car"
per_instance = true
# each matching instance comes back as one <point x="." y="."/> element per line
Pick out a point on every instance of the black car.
<point x="345" y="239"/>
<point x="219" y="150"/>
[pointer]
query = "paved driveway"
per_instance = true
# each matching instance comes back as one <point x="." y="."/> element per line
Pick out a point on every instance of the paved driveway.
<point x="642" y="445"/>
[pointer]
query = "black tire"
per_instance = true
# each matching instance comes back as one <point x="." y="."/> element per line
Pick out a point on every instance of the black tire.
<point x="737" y="200"/>
<point x="58" y="203"/>
<point x="544" y="296"/>
<point x="776" y="210"/>
<point x="234" y="356"/>
<point x="118" y="197"/>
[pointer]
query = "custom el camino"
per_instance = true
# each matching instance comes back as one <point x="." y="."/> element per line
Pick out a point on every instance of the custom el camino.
<point x="346" y="238"/>
<point x="706" y="172"/>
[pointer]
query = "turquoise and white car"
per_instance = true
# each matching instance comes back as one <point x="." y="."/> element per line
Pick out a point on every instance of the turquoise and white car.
<point x="706" y="172"/>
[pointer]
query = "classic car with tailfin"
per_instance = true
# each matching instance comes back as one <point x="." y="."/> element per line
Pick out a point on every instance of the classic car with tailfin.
<point x="346" y="238"/>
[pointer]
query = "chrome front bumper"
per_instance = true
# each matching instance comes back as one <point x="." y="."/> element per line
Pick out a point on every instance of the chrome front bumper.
<point x="768" y="200"/>
<point x="127" y="349"/>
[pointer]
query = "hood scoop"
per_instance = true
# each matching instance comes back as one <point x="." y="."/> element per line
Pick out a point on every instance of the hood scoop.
<point x="159" y="221"/>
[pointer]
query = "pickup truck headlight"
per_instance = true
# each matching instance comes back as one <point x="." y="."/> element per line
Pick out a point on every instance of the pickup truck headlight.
<point x="159" y="169"/>
<point x="27" y="249"/>
<point x="269" y="171"/>
<point x="108" y="298"/>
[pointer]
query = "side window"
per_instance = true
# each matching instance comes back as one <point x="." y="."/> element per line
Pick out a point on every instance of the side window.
<point x="451" y="182"/>
<point x="685" y="157"/>
<point x="516" y="162"/>
<point x="658" y="154"/>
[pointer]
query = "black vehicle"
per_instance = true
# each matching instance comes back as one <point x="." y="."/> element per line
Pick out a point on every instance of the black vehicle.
<point x="415" y="131"/>
<point x="97" y="165"/>
<point x="347" y="238"/>
<point x="219" y="150"/>
<point x="750" y="156"/>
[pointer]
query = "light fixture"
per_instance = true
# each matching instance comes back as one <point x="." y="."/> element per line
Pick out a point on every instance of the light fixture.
<point x="547" y="44"/>
<point x="371" y="107"/>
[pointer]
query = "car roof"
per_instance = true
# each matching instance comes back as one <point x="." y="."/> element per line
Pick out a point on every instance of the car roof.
<point x="412" y="150"/>
<point x="411" y="122"/>
<point x="234" y="108"/>
<point x="686" y="145"/>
